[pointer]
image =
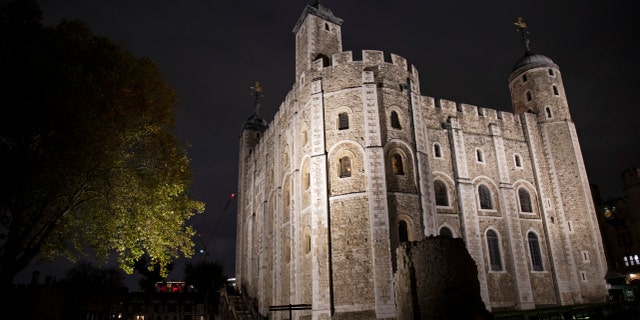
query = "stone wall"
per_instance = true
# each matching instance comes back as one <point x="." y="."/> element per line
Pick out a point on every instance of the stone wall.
<point x="437" y="279"/>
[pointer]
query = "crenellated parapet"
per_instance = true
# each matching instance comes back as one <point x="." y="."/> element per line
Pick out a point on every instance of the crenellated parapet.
<point x="369" y="57"/>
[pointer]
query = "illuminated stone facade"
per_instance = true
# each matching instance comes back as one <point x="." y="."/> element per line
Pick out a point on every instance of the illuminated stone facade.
<point x="356" y="161"/>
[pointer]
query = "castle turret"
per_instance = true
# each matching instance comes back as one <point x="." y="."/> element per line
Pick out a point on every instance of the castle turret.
<point x="318" y="36"/>
<point x="569" y="216"/>
<point x="536" y="85"/>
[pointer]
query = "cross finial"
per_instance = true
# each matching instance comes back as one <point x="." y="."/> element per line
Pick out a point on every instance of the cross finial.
<point x="521" y="27"/>
<point x="256" y="92"/>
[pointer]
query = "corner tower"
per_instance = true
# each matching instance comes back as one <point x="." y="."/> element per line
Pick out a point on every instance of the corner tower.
<point x="577" y="257"/>
<point x="318" y="36"/>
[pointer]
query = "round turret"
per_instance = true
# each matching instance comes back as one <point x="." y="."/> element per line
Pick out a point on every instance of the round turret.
<point x="536" y="85"/>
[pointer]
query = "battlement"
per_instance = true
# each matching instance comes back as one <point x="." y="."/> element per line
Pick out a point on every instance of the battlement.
<point x="368" y="57"/>
<point x="468" y="110"/>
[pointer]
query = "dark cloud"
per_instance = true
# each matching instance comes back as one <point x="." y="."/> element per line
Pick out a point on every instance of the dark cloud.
<point x="213" y="51"/>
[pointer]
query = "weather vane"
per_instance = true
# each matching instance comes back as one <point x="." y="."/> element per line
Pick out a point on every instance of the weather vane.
<point x="521" y="27"/>
<point x="256" y="92"/>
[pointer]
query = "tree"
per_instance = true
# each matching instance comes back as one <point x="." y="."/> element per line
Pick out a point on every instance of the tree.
<point x="88" y="156"/>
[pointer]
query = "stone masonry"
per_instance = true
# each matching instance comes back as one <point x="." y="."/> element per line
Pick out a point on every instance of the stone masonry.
<point x="356" y="163"/>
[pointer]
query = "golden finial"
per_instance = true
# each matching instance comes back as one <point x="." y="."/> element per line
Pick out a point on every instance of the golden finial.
<point x="521" y="27"/>
<point x="256" y="92"/>
<point x="257" y="88"/>
<point x="520" y="23"/>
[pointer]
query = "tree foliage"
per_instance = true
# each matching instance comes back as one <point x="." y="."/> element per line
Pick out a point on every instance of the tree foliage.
<point x="88" y="156"/>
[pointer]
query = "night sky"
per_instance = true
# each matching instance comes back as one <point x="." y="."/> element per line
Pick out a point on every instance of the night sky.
<point x="212" y="51"/>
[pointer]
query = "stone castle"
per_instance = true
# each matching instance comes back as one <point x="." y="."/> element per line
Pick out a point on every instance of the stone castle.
<point x="357" y="162"/>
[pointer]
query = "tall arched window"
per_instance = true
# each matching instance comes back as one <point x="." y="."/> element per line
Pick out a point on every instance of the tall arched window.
<point x="345" y="167"/>
<point x="493" y="244"/>
<point x="403" y="231"/>
<point x="525" y="200"/>
<point x="446" y="232"/>
<point x="343" y="121"/>
<point x="395" y="120"/>
<point x="534" y="250"/>
<point x="485" y="197"/>
<point x="440" y="190"/>
<point x="396" y="164"/>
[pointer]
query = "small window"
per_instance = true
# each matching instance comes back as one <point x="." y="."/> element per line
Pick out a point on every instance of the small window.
<point x="446" y="232"/>
<point x="528" y="94"/>
<point x="326" y="27"/>
<point x="343" y="121"/>
<point x="307" y="240"/>
<point x="306" y="180"/>
<point x="403" y="232"/>
<point x="548" y="110"/>
<point x="493" y="244"/>
<point x="583" y="275"/>
<point x="555" y="90"/>
<point x="525" y="200"/>
<point x="440" y="190"/>
<point x="485" y="197"/>
<point x="585" y="256"/>
<point x="479" y="156"/>
<point x="436" y="151"/>
<point x="524" y="78"/>
<point x="517" y="161"/>
<point x="345" y="167"/>
<point x="534" y="250"/>
<point x="396" y="164"/>
<point x="395" y="120"/>
<point x="551" y="73"/>
<point x="304" y="137"/>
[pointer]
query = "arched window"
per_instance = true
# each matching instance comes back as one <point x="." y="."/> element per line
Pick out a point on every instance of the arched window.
<point x="345" y="167"/>
<point x="307" y="240"/>
<point x="395" y="121"/>
<point x="446" y="232"/>
<point x="436" y="151"/>
<point x="343" y="121"/>
<point x="493" y="244"/>
<point x="306" y="179"/>
<point x="403" y="231"/>
<point x="524" y="78"/>
<point x="396" y="164"/>
<point x="485" y="197"/>
<point x="534" y="250"/>
<point x="479" y="155"/>
<point x="528" y="94"/>
<point x="548" y="110"/>
<point x="440" y="190"/>
<point x="525" y="200"/>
